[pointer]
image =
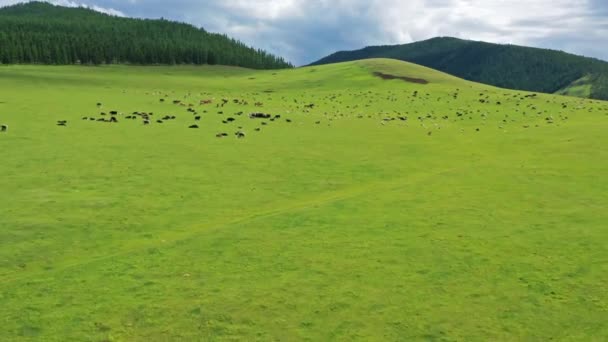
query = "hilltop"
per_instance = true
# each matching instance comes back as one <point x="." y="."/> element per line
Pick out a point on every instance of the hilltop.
<point x="506" y="66"/>
<point x="42" y="33"/>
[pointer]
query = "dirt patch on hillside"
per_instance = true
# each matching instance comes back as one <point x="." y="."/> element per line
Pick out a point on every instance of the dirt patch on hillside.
<point x="403" y="78"/>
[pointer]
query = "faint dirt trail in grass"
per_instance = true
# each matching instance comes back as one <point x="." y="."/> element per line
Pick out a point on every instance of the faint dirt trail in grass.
<point x="324" y="199"/>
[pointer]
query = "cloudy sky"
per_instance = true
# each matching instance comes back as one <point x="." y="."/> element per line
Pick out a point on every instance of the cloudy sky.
<point x="306" y="30"/>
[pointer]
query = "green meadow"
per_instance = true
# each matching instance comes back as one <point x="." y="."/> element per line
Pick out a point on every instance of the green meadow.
<point x="383" y="210"/>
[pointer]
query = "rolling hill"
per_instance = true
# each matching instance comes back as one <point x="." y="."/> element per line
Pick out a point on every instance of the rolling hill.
<point x="42" y="33"/>
<point x="507" y="66"/>
<point x="381" y="201"/>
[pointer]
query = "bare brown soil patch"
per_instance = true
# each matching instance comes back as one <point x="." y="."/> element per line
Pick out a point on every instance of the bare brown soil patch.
<point x="403" y="78"/>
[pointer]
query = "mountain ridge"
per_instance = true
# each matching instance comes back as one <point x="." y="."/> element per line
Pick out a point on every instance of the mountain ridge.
<point x="502" y="65"/>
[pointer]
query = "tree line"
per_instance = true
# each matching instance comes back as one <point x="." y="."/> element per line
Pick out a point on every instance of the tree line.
<point x="40" y="33"/>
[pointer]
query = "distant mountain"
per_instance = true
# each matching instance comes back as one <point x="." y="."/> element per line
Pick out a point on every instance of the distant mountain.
<point x="506" y="66"/>
<point x="41" y="33"/>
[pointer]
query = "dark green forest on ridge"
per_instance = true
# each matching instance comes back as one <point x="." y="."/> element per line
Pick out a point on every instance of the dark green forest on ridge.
<point x="506" y="66"/>
<point x="41" y="33"/>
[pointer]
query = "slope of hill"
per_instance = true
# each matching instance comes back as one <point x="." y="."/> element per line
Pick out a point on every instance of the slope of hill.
<point x="507" y="66"/>
<point x="377" y="207"/>
<point x="41" y="33"/>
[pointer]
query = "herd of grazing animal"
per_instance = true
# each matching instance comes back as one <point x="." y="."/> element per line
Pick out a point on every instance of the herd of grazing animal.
<point x="404" y="108"/>
<point x="488" y="104"/>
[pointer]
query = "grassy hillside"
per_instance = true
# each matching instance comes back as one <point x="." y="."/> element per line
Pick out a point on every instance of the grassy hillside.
<point x="507" y="66"/>
<point x="41" y="33"/>
<point x="382" y="210"/>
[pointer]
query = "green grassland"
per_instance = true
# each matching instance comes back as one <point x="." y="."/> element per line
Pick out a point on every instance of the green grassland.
<point x="389" y="211"/>
<point x="580" y="88"/>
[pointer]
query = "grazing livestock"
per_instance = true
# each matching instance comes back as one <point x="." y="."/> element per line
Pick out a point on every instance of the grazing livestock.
<point x="113" y="119"/>
<point x="62" y="123"/>
<point x="146" y="122"/>
<point x="197" y="118"/>
<point x="3" y="128"/>
<point x="259" y="116"/>
<point x="159" y="121"/>
<point x="193" y="126"/>
<point x="240" y="134"/>
<point x="114" y="112"/>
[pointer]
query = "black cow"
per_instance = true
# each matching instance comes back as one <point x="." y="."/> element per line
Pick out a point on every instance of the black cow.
<point x="3" y="128"/>
<point x="259" y="116"/>
<point x="193" y="126"/>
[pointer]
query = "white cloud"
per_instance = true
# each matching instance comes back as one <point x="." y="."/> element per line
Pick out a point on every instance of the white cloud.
<point x="308" y="29"/>
<point x="305" y="30"/>
<point x="69" y="3"/>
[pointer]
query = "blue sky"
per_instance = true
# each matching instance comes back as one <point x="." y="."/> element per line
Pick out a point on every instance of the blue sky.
<point x="305" y="30"/>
